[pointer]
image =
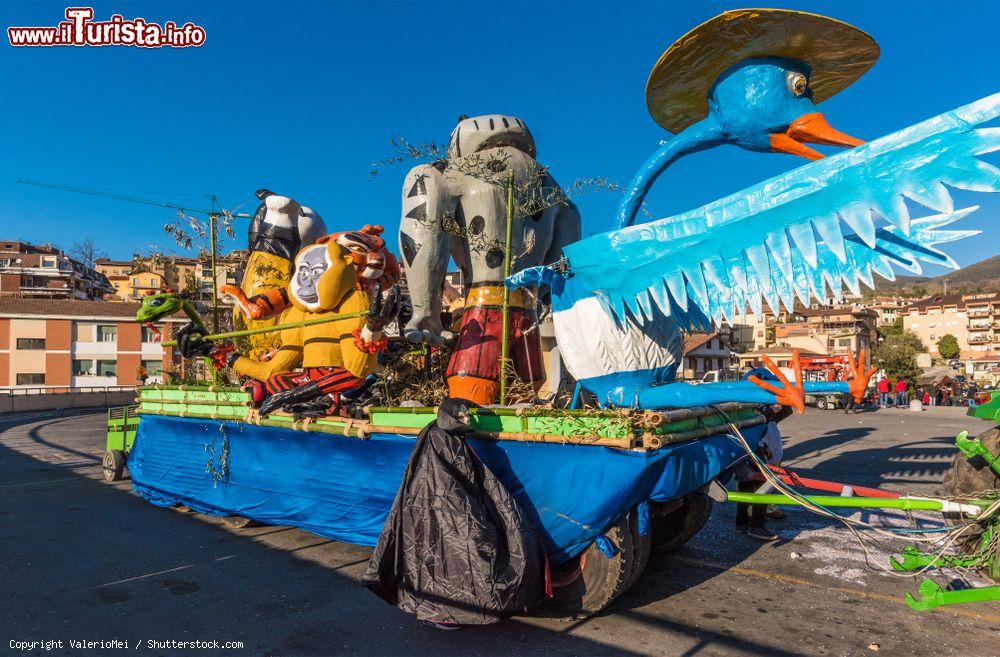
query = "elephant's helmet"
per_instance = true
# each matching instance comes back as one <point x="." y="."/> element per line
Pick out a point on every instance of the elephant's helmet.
<point x="490" y="131"/>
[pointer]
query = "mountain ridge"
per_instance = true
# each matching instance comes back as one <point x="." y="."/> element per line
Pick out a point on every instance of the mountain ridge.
<point x="982" y="276"/>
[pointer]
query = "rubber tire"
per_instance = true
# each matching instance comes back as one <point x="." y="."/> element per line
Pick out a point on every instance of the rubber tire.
<point x="113" y="465"/>
<point x="600" y="580"/>
<point x="238" y="522"/>
<point x="642" y="547"/>
<point x="967" y="477"/>
<point x="821" y="404"/>
<point x="674" y="529"/>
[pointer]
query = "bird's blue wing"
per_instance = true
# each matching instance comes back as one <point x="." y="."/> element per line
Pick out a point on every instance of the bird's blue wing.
<point x="831" y="223"/>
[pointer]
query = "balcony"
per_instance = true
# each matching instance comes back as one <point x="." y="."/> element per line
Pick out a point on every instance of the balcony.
<point x="978" y="312"/>
<point x="980" y="326"/>
<point x="980" y="339"/>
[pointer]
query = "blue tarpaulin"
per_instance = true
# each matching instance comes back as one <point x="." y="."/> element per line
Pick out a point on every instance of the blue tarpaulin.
<point x="342" y="488"/>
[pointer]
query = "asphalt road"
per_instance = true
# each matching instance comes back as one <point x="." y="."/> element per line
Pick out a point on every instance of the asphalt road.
<point x="81" y="559"/>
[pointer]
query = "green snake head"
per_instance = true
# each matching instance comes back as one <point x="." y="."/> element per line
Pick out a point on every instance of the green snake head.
<point x="157" y="306"/>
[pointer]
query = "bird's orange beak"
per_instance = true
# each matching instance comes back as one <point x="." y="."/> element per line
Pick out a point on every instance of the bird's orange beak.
<point x="812" y="129"/>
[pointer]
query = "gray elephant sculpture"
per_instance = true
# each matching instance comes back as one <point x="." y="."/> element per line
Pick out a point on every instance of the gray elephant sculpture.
<point x="457" y="208"/>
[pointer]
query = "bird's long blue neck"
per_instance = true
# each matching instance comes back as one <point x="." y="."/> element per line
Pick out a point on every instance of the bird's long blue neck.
<point x="699" y="136"/>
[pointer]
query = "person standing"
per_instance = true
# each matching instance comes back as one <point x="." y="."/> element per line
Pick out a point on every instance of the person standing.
<point x="750" y="517"/>
<point x="883" y="388"/>
<point x="901" y="393"/>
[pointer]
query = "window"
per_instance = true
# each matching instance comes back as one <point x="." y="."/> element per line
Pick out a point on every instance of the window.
<point x="49" y="263"/>
<point x="148" y="334"/>
<point x="83" y="367"/>
<point x="107" y="368"/>
<point x="135" y="282"/>
<point x="83" y="332"/>
<point x="153" y="367"/>
<point x="107" y="333"/>
<point x="31" y="343"/>
<point x="33" y="379"/>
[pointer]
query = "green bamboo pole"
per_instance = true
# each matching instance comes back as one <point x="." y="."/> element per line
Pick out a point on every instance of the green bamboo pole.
<point x="505" y="306"/>
<point x="213" y="236"/>
<point x="277" y="327"/>
<point x="905" y="503"/>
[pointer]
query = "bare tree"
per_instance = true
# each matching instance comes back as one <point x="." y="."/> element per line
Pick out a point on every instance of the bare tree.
<point x="87" y="252"/>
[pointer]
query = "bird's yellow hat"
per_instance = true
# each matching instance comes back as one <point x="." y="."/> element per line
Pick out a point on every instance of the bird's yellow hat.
<point x="677" y="89"/>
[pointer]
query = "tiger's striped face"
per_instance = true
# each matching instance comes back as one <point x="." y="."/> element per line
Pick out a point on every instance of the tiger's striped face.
<point x="371" y="259"/>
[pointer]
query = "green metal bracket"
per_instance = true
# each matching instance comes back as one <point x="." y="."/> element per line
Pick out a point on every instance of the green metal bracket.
<point x="913" y="559"/>
<point x="972" y="447"/>
<point x="932" y="595"/>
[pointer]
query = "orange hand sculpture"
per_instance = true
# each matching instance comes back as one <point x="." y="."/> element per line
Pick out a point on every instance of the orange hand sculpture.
<point x="793" y="395"/>
<point x="859" y="383"/>
<point x="260" y="306"/>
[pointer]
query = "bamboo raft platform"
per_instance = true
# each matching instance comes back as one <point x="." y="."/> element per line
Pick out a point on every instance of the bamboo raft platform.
<point x="616" y="428"/>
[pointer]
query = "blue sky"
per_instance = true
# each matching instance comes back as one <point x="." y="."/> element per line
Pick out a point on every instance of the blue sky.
<point x="302" y="98"/>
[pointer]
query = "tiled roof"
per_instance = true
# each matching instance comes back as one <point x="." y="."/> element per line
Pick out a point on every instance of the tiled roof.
<point x="827" y="312"/>
<point x="17" y="307"/>
<point x="695" y="340"/>
<point x="779" y="351"/>
<point x="957" y="300"/>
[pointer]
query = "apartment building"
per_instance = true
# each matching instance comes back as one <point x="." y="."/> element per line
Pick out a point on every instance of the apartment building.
<point x="751" y="331"/>
<point x="130" y="282"/>
<point x="134" y="278"/>
<point x="44" y="272"/>
<point x="888" y="309"/>
<point x="974" y="320"/>
<point x="64" y="342"/>
<point x="830" y="330"/>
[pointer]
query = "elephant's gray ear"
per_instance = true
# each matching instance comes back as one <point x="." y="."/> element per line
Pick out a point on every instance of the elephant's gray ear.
<point x="462" y="117"/>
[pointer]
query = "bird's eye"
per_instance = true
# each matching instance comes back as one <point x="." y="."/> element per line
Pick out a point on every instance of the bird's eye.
<point x="157" y="302"/>
<point x="797" y="83"/>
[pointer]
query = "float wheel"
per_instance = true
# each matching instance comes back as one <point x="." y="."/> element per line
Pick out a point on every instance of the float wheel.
<point x="589" y="582"/>
<point x="238" y="522"/>
<point x="641" y="545"/>
<point x="674" y="524"/>
<point x="113" y="464"/>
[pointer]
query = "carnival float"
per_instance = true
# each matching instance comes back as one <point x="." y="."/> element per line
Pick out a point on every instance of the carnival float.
<point x="630" y="465"/>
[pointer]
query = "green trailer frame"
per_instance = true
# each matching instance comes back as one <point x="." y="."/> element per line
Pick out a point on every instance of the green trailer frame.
<point x="123" y="423"/>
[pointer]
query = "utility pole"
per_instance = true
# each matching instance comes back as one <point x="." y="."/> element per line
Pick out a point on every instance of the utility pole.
<point x="212" y="215"/>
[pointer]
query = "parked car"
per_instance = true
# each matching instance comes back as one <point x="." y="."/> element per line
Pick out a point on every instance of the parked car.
<point x="822" y="402"/>
<point x="714" y="376"/>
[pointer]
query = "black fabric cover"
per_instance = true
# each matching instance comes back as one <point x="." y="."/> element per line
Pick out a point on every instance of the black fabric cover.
<point x="455" y="547"/>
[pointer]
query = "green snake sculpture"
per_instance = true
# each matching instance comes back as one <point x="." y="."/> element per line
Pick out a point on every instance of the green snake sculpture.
<point x="155" y="307"/>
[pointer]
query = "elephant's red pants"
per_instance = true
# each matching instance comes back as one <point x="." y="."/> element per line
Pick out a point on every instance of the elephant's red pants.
<point x="474" y="370"/>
